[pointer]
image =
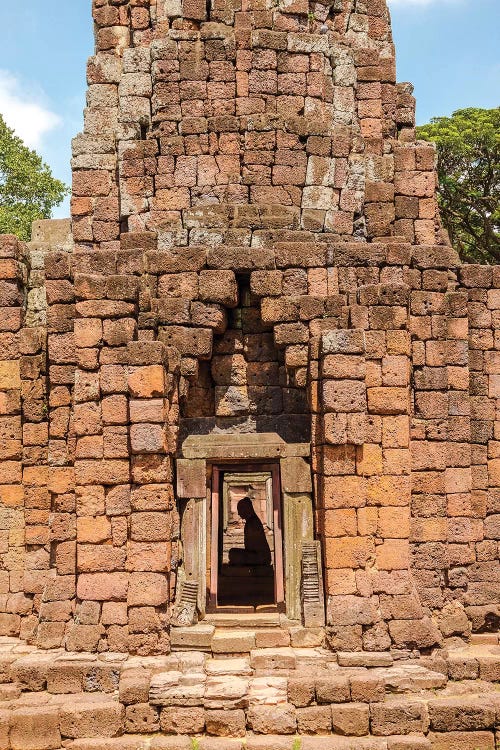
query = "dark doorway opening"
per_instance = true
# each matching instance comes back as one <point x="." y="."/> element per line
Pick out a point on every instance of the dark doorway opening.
<point x="246" y="539"/>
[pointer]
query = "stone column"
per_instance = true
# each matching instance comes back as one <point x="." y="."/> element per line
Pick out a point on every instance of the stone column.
<point x="364" y="474"/>
<point x="298" y="526"/>
<point x="13" y="278"/>
<point x="193" y="495"/>
<point x="123" y="469"/>
<point x="443" y="527"/>
<point x="474" y="505"/>
<point x="154" y="526"/>
<point x="58" y="594"/>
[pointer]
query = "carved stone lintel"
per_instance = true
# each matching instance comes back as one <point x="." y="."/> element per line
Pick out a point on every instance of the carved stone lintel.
<point x="185" y="610"/>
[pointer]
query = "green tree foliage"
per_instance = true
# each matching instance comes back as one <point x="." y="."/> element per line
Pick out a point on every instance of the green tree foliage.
<point x="28" y="191"/>
<point x="468" y="146"/>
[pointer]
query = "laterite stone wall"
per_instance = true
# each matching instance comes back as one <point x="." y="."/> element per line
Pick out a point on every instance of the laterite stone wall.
<point x="255" y="247"/>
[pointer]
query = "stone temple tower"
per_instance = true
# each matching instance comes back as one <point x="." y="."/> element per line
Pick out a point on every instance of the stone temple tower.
<point x="262" y="388"/>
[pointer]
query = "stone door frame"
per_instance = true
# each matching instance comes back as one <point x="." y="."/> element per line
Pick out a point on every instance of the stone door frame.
<point x="198" y="455"/>
<point x="279" y="579"/>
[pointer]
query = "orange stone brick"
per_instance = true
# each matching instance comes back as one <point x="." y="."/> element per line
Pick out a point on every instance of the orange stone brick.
<point x="33" y="727"/>
<point x="393" y="554"/>
<point x="388" y="490"/>
<point x="349" y="552"/>
<point x="61" y="479"/>
<point x="340" y="581"/>
<point x="428" y="455"/>
<point x="114" y="409"/>
<point x="338" y="460"/>
<point x="340" y="523"/>
<point x="387" y="400"/>
<point x="393" y="523"/>
<point x="88" y="332"/>
<point x="395" y="370"/>
<point x="398" y="342"/>
<point x="10" y="377"/>
<point x="147" y="589"/>
<point x="11" y="495"/>
<point x="397" y="461"/>
<point x="367" y="521"/>
<point x="102" y="472"/>
<point x="429" y="529"/>
<point x="102" y="586"/>
<point x="467" y="504"/>
<point x="343" y="492"/>
<point x="93" y="529"/>
<point x="147" y="382"/>
<point x="395" y="432"/>
<point x="494" y="472"/>
<point x="369" y="460"/>
<point x="458" y="480"/>
<point x="373" y="378"/>
<point x="33" y="476"/>
<point x="428" y="481"/>
<point x="459" y="379"/>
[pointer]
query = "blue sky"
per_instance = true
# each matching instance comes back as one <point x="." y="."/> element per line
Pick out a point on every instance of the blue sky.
<point x="448" y="48"/>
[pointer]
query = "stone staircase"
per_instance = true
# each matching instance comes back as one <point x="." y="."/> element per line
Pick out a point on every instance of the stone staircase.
<point x="241" y="634"/>
<point x="258" y="698"/>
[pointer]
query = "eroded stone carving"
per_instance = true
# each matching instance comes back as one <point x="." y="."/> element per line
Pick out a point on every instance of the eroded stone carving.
<point x="313" y="601"/>
<point x="185" y="609"/>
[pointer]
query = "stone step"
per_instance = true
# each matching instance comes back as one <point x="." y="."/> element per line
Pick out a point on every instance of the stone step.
<point x="75" y="673"/>
<point x="227" y="666"/>
<point x="491" y="639"/>
<point x="272" y="638"/>
<point x="247" y="621"/>
<point x="364" y="659"/>
<point x="220" y="639"/>
<point x="134" y="742"/>
<point x="253" y="742"/>
<point x="100" y="722"/>
<point x="68" y="698"/>
<point x="250" y="742"/>
<point x="480" y="712"/>
<point x="39" y="721"/>
<point x="409" y="678"/>
<point x="64" y="672"/>
<point x="273" y="658"/>
<point x="197" y="637"/>
<point x="352" y="743"/>
<point x="478" y="661"/>
<point x="30" y="671"/>
<point x="307" y="637"/>
<point x="207" y="637"/>
<point x="229" y="641"/>
<point x="313" y="657"/>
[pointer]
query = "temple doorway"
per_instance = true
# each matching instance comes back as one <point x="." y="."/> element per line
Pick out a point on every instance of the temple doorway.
<point x="246" y="539"/>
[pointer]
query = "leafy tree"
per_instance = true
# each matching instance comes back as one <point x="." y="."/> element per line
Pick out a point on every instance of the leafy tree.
<point x="28" y="191"/>
<point x="468" y="146"/>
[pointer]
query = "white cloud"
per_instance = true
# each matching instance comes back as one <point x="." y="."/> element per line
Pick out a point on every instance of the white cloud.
<point x="24" y="111"/>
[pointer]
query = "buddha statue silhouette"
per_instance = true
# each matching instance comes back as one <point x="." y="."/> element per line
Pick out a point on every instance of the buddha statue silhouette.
<point x="256" y="550"/>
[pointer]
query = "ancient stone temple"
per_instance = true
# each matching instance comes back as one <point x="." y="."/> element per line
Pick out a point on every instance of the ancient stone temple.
<point x="249" y="433"/>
